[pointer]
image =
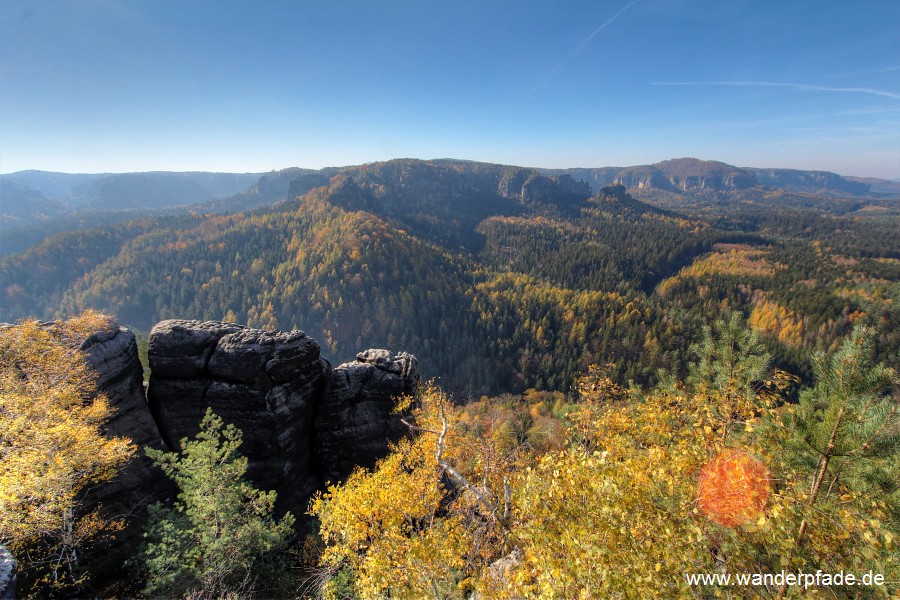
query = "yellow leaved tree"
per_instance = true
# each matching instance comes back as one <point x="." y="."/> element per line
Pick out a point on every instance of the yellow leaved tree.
<point x="650" y="490"/>
<point x="414" y="526"/>
<point x="52" y="447"/>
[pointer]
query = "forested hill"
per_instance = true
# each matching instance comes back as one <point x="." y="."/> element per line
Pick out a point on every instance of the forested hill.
<point x="499" y="278"/>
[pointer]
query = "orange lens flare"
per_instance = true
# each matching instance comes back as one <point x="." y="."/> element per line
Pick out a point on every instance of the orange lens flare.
<point x="733" y="488"/>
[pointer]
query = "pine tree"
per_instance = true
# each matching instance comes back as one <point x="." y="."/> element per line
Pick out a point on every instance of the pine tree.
<point x="732" y="363"/>
<point x="215" y="539"/>
<point x="849" y="421"/>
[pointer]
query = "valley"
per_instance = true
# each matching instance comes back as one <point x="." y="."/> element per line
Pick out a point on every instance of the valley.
<point x="498" y="278"/>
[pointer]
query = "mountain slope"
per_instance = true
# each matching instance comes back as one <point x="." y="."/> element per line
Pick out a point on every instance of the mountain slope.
<point x="348" y="278"/>
<point x="363" y="261"/>
<point x="36" y="204"/>
<point x="499" y="278"/>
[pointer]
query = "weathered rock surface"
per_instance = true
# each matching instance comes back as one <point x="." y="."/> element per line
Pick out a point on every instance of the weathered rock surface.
<point x="528" y="185"/>
<point x="302" y="422"/>
<point x="266" y="383"/>
<point x="355" y="418"/>
<point x="560" y="187"/>
<point x="182" y="349"/>
<point x="112" y="354"/>
<point x="7" y="574"/>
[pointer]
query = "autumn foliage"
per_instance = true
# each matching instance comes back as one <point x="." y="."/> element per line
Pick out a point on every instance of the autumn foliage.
<point x="641" y="490"/>
<point x="52" y="445"/>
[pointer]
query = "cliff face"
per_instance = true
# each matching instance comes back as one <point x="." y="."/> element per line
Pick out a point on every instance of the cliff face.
<point x="267" y="383"/>
<point x="528" y="185"/>
<point x="822" y="182"/>
<point x="355" y="417"/>
<point x="302" y="420"/>
<point x="112" y="353"/>
<point x="686" y="174"/>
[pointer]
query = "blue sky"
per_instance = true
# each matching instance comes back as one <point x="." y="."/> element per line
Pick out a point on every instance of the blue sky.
<point x="104" y="85"/>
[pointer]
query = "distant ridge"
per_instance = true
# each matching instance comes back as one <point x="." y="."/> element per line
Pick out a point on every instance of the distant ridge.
<point x="154" y="189"/>
<point x="35" y="204"/>
<point x="499" y="277"/>
<point x="680" y="175"/>
<point x="879" y="186"/>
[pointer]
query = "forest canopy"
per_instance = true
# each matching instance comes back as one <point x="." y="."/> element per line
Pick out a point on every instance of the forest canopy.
<point x="495" y="290"/>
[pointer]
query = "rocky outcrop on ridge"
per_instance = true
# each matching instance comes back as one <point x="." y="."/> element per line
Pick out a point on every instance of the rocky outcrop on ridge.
<point x="266" y="383"/>
<point x="690" y="175"/>
<point x="821" y="182"/>
<point x="356" y="415"/>
<point x="301" y="420"/>
<point x="529" y="185"/>
<point x="685" y="174"/>
<point x="112" y="353"/>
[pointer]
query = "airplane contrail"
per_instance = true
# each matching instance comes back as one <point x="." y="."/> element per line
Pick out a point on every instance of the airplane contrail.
<point x="795" y="86"/>
<point x="587" y="40"/>
<point x="579" y="47"/>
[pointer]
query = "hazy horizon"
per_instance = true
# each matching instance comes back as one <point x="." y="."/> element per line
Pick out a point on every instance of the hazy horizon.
<point x="97" y="86"/>
<point x="341" y="166"/>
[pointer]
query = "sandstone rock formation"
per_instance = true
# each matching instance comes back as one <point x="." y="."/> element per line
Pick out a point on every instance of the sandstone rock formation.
<point x="266" y="383"/>
<point x="355" y="418"/>
<point x="529" y="185"/>
<point x="822" y="182"/>
<point x="300" y="419"/>
<point x="112" y="353"/>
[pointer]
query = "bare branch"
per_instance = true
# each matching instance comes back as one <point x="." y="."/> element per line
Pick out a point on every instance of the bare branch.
<point x="457" y="477"/>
